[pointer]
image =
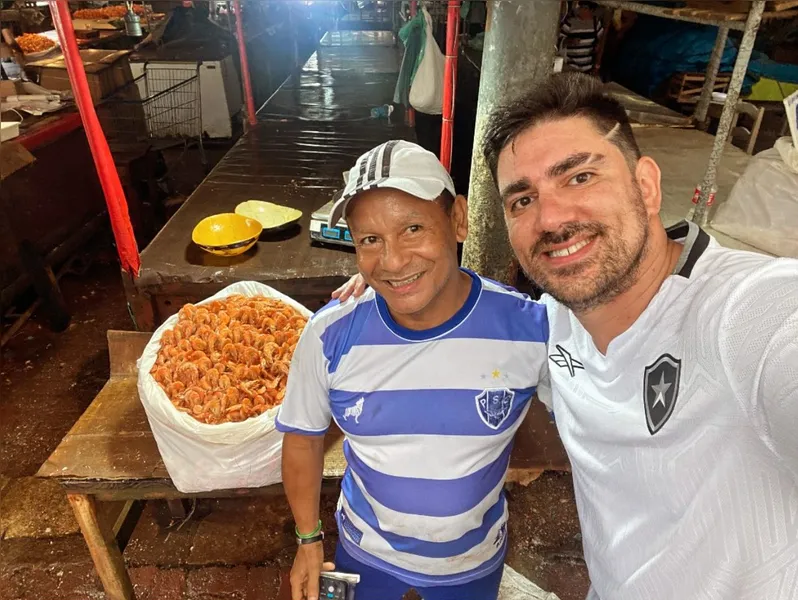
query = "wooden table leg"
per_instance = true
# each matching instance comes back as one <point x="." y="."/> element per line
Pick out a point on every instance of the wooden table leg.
<point x="103" y="548"/>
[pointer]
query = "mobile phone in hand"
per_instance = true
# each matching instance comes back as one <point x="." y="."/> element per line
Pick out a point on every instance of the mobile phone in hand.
<point x="337" y="586"/>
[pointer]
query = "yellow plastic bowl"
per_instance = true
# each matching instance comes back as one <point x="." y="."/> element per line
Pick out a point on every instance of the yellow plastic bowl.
<point x="271" y="216"/>
<point x="226" y="234"/>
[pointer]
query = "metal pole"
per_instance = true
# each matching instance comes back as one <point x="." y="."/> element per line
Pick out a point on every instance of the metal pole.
<point x="294" y="31"/>
<point x="411" y="113"/>
<point x="450" y="82"/>
<point x="701" y="108"/>
<point x="667" y="12"/>
<point x="252" y="118"/>
<point x="700" y="211"/>
<point x="519" y="52"/>
<point x="101" y="153"/>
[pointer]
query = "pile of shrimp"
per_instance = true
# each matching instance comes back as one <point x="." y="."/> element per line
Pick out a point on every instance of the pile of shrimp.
<point x="227" y="361"/>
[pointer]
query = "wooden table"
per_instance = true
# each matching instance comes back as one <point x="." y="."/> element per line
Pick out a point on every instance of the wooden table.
<point x="110" y="456"/>
<point x="309" y="133"/>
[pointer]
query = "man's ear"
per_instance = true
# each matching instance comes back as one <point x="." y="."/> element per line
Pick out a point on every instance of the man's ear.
<point x="649" y="178"/>
<point x="459" y="218"/>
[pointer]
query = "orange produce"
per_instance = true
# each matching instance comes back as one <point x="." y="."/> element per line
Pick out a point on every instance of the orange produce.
<point x="107" y="12"/>
<point x="33" y="42"/>
<point x="228" y="360"/>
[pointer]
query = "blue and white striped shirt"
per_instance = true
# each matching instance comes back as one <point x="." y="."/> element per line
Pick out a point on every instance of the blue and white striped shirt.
<point x="429" y="418"/>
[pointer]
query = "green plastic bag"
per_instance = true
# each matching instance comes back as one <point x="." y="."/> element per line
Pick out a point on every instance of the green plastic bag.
<point x="412" y="36"/>
<point x="414" y="26"/>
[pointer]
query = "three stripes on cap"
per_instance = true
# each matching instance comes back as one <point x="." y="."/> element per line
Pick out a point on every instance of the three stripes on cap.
<point x="382" y="155"/>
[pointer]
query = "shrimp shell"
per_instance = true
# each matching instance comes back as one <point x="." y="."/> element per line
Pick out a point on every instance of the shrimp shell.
<point x="195" y="395"/>
<point x="188" y="312"/>
<point x="188" y="373"/>
<point x="197" y="343"/>
<point x="162" y="375"/>
<point x="280" y="321"/>
<point x="196" y="355"/>
<point x="228" y="360"/>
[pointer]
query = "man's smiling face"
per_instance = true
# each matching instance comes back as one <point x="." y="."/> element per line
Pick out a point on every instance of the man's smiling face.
<point x="575" y="212"/>
<point x="407" y="250"/>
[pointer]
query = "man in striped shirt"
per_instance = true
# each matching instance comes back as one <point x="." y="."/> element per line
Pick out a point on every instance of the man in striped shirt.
<point x="428" y="374"/>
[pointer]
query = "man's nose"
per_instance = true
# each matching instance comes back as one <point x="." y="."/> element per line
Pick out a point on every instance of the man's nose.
<point x="394" y="258"/>
<point x="554" y="211"/>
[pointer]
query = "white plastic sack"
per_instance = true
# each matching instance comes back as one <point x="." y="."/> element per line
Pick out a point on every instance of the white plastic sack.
<point x="202" y="457"/>
<point x="515" y="586"/>
<point x="426" y="91"/>
<point x="762" y="209"/>
<point x="788" y="152"/>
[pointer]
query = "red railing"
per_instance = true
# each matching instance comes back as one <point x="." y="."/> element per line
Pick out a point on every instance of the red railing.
<point x="450" y="82"/>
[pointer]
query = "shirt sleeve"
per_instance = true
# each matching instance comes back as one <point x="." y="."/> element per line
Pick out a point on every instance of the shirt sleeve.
<point x="759" y="349"/>
<point x="544" y="387"/>
<point x="306" y="407"/>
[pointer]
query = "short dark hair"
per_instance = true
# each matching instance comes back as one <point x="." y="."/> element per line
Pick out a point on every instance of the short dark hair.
<point x="562" y="96"/>
<point x="446" y="200"/>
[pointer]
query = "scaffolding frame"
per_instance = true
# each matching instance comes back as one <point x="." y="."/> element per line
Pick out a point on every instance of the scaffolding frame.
<point x="705" y="192"/>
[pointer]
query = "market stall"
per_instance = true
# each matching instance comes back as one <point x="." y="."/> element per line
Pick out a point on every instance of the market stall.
<point x="307" y="135"/>
<point x="110" y="456"/>
<point x="52" y="200"/>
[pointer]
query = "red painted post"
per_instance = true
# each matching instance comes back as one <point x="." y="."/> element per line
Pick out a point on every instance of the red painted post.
<point x="411" y="114"/>
<point x="450" y="82"/>
<point x="101" y="153"/>
<point x="252" y="119"/>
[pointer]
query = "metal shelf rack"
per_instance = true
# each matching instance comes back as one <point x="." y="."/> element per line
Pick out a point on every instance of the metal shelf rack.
<point x="725" y="21"/>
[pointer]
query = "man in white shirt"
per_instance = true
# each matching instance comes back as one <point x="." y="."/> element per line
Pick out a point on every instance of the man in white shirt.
<point x="673" y="361"/>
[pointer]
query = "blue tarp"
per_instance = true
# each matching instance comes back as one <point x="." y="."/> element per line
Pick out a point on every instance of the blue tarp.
<point x="655" y="49"/>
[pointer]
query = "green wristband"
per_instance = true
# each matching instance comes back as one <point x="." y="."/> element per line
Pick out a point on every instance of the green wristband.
<point x="307" y="536"/>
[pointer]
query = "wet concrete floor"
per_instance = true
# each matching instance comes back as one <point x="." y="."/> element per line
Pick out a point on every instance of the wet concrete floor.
<point x="235" y="549"/>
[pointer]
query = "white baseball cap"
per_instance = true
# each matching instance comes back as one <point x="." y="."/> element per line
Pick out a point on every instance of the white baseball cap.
<point x="396" y="164"/>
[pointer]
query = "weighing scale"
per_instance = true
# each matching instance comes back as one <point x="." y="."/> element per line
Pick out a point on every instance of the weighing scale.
<point x="320" y="232"/>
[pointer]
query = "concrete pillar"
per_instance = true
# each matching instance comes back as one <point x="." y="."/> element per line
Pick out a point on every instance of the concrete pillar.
<point x="520" y="42"/>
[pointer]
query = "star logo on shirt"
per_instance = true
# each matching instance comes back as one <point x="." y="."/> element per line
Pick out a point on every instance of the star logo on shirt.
<point x="564" y="359"/>
<point x="660" y="390"/>
<point x="496" y="373"/>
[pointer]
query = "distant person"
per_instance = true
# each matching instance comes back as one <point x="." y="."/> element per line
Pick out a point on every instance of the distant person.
<point x="581" y="31"/>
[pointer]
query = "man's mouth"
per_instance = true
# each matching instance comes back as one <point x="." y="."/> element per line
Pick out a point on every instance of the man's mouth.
<point x="568" y="250"/>
<point x="400" y="283"/>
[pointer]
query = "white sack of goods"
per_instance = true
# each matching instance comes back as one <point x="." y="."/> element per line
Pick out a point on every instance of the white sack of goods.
<point x="212" y="379"/>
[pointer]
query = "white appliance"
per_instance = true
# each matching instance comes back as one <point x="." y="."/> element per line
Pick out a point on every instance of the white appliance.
<point x="8" y="130"/>
<point x="220" y="90"/>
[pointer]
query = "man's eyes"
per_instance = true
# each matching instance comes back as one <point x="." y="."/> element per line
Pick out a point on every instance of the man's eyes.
<point x="520" y="203"/>
<point x="580" y="178"/>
